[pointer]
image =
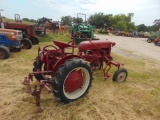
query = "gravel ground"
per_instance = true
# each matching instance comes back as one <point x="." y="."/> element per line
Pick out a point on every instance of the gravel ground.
<point x="133" y="47"/>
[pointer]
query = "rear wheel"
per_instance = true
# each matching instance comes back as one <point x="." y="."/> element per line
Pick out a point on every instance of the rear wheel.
<point x="4" y="52"/>
<point x="120" y="75"/>
<point x="26" y="43"/>
<point x="34" y="40"/>
<point x="72" y="80"/>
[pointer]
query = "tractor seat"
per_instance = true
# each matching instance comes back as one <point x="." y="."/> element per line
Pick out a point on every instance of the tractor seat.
<point x="61" y="45"/>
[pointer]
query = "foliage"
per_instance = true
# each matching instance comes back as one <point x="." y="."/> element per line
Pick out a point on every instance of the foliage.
<point x="29" y="20"/>
<point x="122" y="22"/>
<point x="99" y="20"/>
<point x="142" y="28"/>
<point x="145" y="28"/>
<point x="67" y="20"/>
<point x="77" y="20"/>
<point x="157" y="22"/>
<point x="25" y="19"/>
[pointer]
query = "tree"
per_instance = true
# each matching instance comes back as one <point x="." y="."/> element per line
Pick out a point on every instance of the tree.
<point x="142" y="28"/>
<point x="32" y="20"/>
<point x="157" y="22"/>
<point x="66" y="20"/>
<point x="122" y="22"/>
<point x="25" y="19"/>
<point x="99" y="20"/>
<point x="77" y="20"/>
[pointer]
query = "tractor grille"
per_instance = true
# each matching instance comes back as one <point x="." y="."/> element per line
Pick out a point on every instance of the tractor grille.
<point x="19" y="35"/>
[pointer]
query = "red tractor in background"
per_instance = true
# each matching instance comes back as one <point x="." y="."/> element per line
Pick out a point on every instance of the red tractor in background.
<point x="68" y="73"/>
<point x="27" y="29"/>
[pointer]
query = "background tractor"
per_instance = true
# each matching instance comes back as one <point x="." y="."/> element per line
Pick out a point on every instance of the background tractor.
<point x="12" y="40"/>
<point x="68" y="73"/>
<point x="85" y="29"/>
<point x="27" y="29"/>
<point x="152" y="37"/>
<point x="157" y="40"/>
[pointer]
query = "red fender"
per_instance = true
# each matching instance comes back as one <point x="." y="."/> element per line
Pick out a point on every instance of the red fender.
<point x="61" y="61"/>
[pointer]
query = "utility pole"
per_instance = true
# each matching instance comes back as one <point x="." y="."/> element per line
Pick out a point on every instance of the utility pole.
<point x="0" y="14"/>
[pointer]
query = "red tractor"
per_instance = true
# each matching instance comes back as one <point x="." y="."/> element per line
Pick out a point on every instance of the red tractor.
<point x="28" y="30"/>
<point x="70" y="74"/>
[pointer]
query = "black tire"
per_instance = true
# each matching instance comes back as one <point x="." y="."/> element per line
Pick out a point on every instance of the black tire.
<point x="34" y="40"/>
<point x="120" y="75"/>
<point x="4" y="52"/>
<point x="26" y="43"/>
<point x="65" y="88"/>
<point x="96" y="65"/>
<point x="42" y="68"/>
<point x="149" y="40"/>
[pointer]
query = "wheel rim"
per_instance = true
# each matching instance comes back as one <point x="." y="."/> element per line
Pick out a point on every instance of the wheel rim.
<point x="121" y="77"/>
<point x="79" y="86"/>
<point x="96" y="65"/>
<point x="25" y="44"/>
<point x="45" y="75"/>
<point x="34" y="41"/>
<point x="2" y="54"/>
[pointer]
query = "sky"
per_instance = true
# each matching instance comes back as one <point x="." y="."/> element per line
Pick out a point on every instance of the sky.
<point x="145" y="11"/>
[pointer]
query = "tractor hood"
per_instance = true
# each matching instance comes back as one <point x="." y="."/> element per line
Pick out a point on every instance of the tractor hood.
<point x="94" y="44"/>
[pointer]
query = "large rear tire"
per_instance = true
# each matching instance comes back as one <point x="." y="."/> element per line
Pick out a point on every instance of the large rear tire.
<point x="4" y="52"/>
<point x="72" y="80"/>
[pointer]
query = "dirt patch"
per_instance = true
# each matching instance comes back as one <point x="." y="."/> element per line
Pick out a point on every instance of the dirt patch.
<point x="134" y="47"/>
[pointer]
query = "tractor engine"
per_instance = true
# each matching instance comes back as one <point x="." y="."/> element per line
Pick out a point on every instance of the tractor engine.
<point x="95" y="50"/>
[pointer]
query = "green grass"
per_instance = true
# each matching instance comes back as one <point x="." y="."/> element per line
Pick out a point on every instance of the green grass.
<point x="12" y="20"/>
<point x="50" y="37"/>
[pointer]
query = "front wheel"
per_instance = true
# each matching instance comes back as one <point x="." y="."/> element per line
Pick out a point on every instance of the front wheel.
<point x="72" y="80"/>
<point x="120" y="75"/>
<point x="96" y="65"/>
<point x="149" y="40"/>
<point x="4" y="52"/>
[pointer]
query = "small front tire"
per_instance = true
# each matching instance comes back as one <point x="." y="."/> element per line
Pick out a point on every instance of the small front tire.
<point x="120" y="75"/>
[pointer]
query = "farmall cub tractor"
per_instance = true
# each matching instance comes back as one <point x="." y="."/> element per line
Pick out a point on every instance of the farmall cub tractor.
<point x="69" y="74"/>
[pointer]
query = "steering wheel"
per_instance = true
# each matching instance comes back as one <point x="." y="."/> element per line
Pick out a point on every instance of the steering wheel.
<point x="44" y="49"/>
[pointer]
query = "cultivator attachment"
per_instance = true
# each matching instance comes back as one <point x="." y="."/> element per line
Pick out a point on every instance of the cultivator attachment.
<point x="36" y="92"/>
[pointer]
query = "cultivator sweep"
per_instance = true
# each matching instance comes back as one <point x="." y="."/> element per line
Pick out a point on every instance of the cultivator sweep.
<point x="68" y="73"/>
